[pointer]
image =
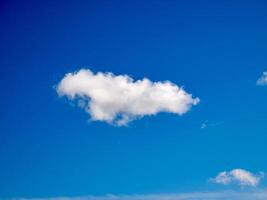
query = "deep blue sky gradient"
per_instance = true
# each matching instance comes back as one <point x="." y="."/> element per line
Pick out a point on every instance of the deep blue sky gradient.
<point x="216" y="50"/>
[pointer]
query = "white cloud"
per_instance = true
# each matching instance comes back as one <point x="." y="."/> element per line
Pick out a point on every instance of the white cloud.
<point x="263" y="79"/>
<point x="240" y="176"/>
<point x="119" y="99"/>
<point x="220" y="195"/>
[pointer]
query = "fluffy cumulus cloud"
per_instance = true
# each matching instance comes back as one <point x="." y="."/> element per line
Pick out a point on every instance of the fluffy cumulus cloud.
<point x="119" y="99"/>
<point x="239" y="176"/>
<point x="263" y="79"/>
<point x="222" y="195"/>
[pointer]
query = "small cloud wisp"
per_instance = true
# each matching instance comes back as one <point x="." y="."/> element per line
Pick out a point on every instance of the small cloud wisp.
<point x="263" y="79"/>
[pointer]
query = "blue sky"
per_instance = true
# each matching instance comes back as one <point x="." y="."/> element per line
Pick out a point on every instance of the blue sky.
<point x="215" y="51"/>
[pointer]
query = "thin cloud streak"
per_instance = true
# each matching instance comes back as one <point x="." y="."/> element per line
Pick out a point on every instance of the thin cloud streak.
<point x="221" y="195"/>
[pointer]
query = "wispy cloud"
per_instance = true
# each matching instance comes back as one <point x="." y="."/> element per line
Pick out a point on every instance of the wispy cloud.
<point x="204" y="125"/>
<point x="239" y="176"/>
<point x="119" y="99"/>
<point x="263" y="79"/>
<point x="207" y="124"/>
<point x="220" y="195"/>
